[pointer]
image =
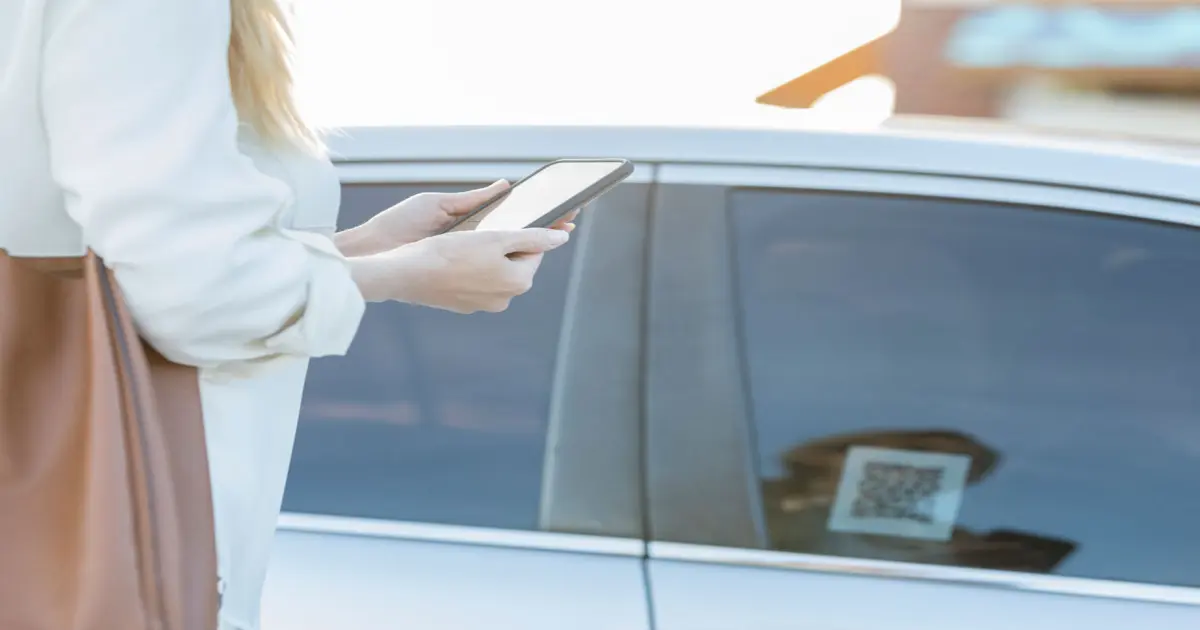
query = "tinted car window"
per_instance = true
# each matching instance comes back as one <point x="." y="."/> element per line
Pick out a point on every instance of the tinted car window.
<point x="432" y="416"/>
<point x="972" y="384"/>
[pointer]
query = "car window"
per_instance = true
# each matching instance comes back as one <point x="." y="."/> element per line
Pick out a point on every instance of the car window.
<point x="432" y="416"/>
<point x="973" y="384"/>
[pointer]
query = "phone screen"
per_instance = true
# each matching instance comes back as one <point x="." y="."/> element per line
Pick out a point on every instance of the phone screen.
<point x="532" y="198"/>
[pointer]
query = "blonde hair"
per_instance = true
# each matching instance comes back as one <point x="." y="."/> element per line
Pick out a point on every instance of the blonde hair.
<point x="260" y="73"/>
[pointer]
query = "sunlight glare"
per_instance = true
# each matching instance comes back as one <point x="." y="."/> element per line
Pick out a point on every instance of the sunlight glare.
<point x="546" y="61"/>
<point x="869" y="100"/>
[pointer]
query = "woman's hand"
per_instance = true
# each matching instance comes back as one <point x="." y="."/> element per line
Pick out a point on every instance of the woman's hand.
<point x="463" y="272"/>
<point x="421" y="216"/>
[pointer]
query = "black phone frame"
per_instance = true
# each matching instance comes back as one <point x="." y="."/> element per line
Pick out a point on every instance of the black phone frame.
<point x="584" y="197"/>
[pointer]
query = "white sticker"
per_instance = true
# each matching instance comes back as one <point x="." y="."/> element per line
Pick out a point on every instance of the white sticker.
<point x="890" y="492"/>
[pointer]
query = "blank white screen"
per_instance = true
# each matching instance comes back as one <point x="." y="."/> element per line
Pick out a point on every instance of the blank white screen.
<point x="554" y="185"/>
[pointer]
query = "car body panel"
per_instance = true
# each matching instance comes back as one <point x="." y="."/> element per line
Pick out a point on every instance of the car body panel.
<point x="342" y="573"/>
<point x="754" y="596"/>
<point x="650" y="287"/>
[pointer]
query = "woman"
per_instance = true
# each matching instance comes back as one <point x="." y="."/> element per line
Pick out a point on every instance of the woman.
<point x="162" y="135"/>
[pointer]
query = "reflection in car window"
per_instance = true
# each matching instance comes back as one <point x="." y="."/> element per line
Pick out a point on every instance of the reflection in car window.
<point x="971" y="384"/>
<point x="432" y="416"/>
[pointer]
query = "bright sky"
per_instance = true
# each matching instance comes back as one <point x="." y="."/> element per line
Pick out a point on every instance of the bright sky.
<point x="573" y="61"/>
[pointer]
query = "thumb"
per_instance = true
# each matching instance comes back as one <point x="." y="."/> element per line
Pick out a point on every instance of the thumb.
<point x="460" y="202"/>
<point x="531" y="240"/>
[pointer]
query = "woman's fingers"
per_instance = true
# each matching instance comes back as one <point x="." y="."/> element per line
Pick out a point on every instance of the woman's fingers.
<point x="567" y="222"/>
<point x="458" y="204"/>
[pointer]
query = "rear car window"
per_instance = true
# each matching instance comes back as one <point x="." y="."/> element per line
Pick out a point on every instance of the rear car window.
<point x="973" y="384"/>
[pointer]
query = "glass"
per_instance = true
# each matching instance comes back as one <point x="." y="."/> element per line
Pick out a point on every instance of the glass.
<point x="973" y="384"/>
<point x="432" y="416"/>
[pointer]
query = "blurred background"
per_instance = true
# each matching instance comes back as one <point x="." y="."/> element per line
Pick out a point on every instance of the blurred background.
<point x="1125" y="66"/>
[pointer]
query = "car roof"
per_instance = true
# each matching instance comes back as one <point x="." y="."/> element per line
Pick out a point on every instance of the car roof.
<point x="965" y="148"/>
<point x="1079" y="139"/>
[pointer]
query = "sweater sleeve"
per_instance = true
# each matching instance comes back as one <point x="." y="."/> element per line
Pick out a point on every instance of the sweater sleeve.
<point x="143" y="141"/>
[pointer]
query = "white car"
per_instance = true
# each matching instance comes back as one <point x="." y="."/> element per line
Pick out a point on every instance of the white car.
<point x="919" y="377"/>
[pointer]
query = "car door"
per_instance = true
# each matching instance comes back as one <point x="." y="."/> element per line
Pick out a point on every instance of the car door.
<point x="476" y="471"/>
<point x="889" y="401"/>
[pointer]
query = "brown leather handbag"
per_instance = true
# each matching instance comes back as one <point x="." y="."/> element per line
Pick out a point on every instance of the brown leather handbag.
<point x="106" y="518"/>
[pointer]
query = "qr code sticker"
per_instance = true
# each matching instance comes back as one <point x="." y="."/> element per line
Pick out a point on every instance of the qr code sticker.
<point x="890" y="492"/>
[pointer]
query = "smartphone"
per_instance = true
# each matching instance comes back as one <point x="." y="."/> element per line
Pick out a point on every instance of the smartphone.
<point x="546" y="195"/>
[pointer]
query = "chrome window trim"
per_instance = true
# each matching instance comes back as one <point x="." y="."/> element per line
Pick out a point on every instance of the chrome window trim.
<point x="454" y="172"/>
<point x="458" y="534"/>
<point x="1010" y="580"/>
<point x="1009" y="193"/>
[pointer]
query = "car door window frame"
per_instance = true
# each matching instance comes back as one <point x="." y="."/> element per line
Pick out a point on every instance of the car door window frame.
<point x="592" y="488"/>
<point x="705" y="504"/>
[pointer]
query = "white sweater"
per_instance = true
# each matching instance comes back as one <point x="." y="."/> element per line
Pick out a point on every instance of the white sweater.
<point x="118" y="133"/>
